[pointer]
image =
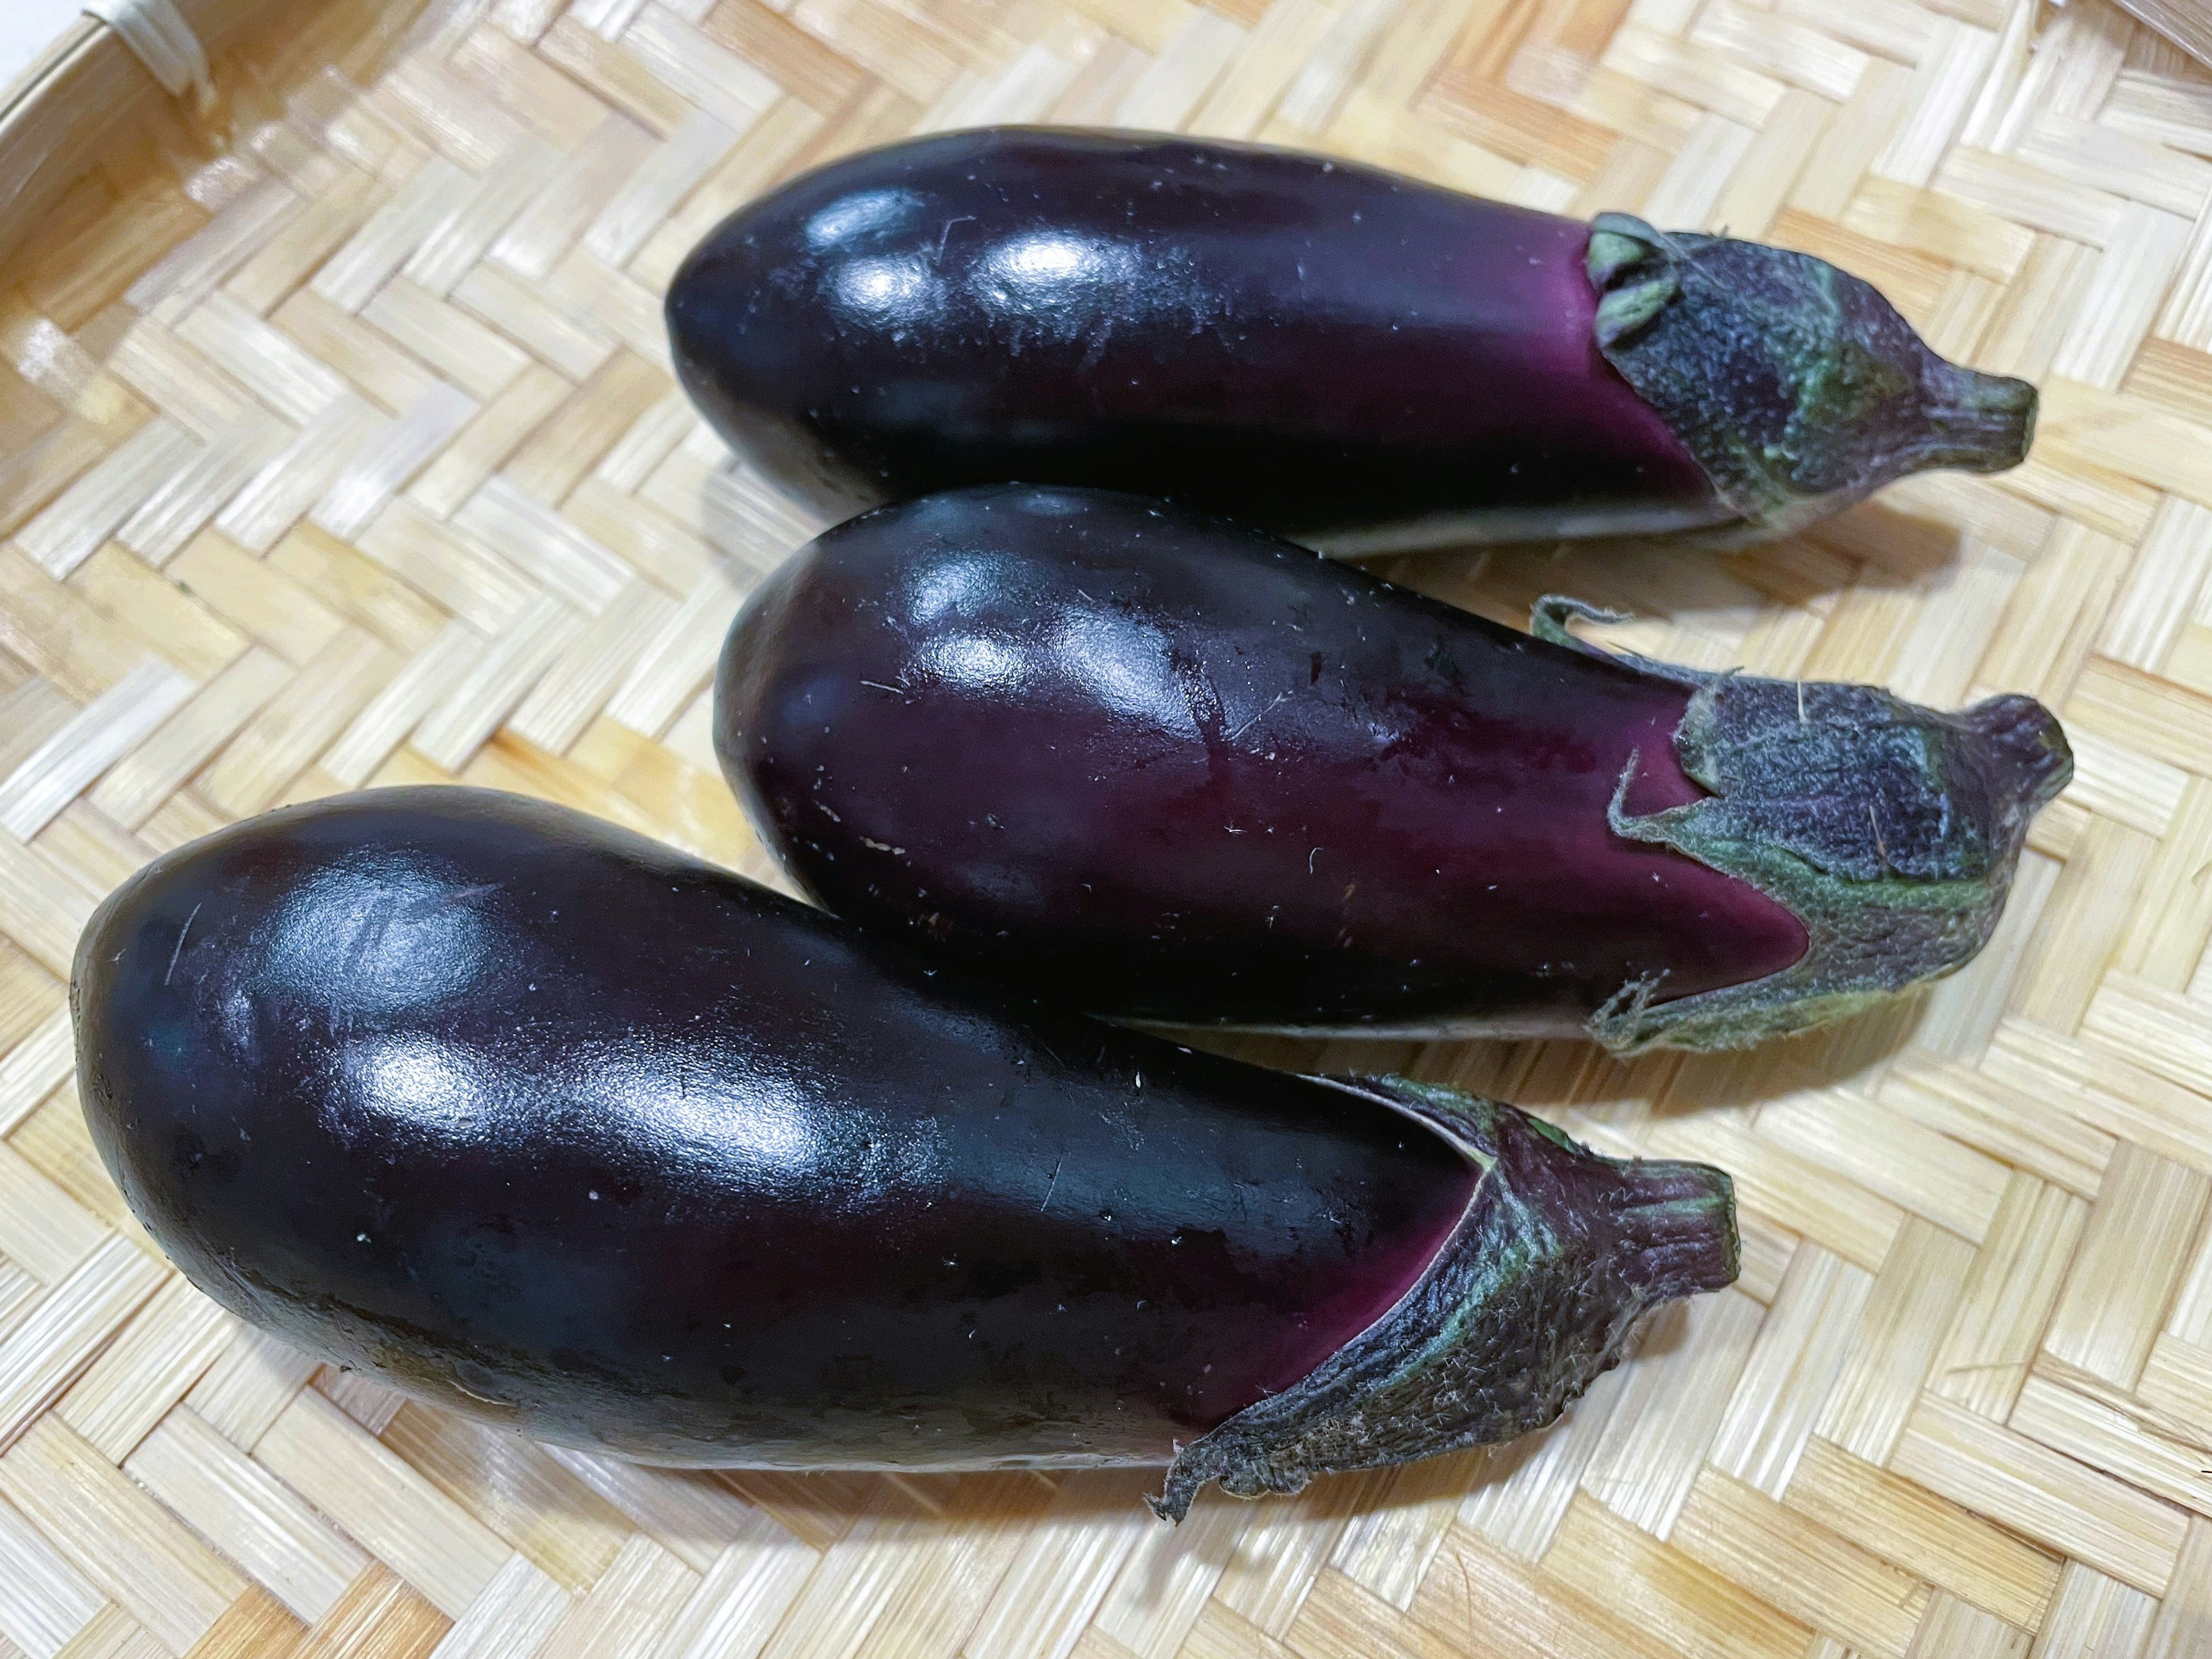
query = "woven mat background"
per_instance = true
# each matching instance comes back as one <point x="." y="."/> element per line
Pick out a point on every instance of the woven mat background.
<point x="348" y="454"/>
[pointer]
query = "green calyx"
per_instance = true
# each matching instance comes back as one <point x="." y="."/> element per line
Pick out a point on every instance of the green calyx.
<point x="1560" y="1255"/>
<point x="1890" y="831"/>
<point x="1795" y="385"/>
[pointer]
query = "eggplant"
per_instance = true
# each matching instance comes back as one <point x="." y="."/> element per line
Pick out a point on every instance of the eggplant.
<point x="1343" y="354"/>
<point x="1183" y="771"/>
<point x="545" y="1122"/>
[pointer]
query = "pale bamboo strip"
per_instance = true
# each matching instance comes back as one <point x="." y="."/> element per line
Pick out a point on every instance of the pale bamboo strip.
<point x="2067" y="1506"/>
<point x="256" y="1522"/>
<point x="655" y="188"/>
<point x="1165" y="1583"/>
<point x="508" y="303"/>
<point x="158" y="1357"/>
<point x="1693" y="1609"/>
<point x="248" y="1389"/>
<point x="350" y="277"/>
<point x="2105" y="1087"/>
<point x="458" y="346"/>
<point x="273" y="499"/>
<point x="117" y="1537"/>
<point x="182" y="280"/>
<point x="360" y="1397"/>
<point x="288" y="379"/>
<point x="1907" y="1317"/>
<point x="2010" y="1291"/>
<point x="486" y="440"/>
<point x="2060" y="1411"/>
<point x="279" y="742"/>
<point x="136" y="785"/>
<point x="1062" y="1572"/>
<point x="515" y="1487"/>
<point x="690" y="1514"/>
<point x="1792" y="1367"/>
<point x="2132" y="276"/>
<point x="2035" y="1135"/>
<point x="2095" y="1617"/>
<point x="422" y="1534"/>
<point x="69" y="762"/>
<point x="2122" y="1018"/>
<point x="2175" y="919"/>
<point x="382" y="466"/>
<point x="2082" y="926"/>
<point x="509" y="1620"/>
<point x="1657" y="1437"/>
<point x="1951" y="1627"/>
<point x="641" y="1593"/>
<point x="1803" y="1569"/>
<point x="2131" y="1260"/>
<point x="53" y="1343"/>
<point x="379" y="1615"/>
<point x="2184" y="1618"/>
<point x="1474" y="1600"/>
<point x="35" y="1068"/>
<point x="19" y="1292"/>
<point x="970" y="1531"/>
<point x="94" y="507"/>
<point x="41" y="908"/>
<point x="1925" y="1173"/>
<point x="1847" y="1219"/>
<point x="479" y="587"/>
<point x="534" y="538"/>
<point x="453" y="247"/>
<point x="742" y="1599"/>
<point x="1901" y="1522"/>
<point x="504" y="674"/>
<point x="44" y="1602"/>
<point x="1272" y="1568"/>
<point x="677" y="660"/>
<point x="428" y="679"/>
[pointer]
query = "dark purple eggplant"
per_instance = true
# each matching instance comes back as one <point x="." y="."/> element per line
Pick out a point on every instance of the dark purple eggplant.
<point x="545" y="1122"/>
<point x="1183" y="771"/>
<point x="1341" y="354"/>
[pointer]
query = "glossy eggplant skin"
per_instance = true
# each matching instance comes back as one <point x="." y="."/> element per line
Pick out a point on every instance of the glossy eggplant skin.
<point x="544" y="1121"/>
<point x="1183" y="771"/>
<point x="1313" y="345"/>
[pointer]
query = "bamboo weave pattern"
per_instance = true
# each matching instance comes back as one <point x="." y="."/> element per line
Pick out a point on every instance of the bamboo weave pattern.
<point x="347" y="454"/>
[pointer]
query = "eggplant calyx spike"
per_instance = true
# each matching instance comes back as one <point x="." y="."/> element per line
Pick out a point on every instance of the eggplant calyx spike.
<point x="1539" y="1290"/>
<point x="1795" y="385"/>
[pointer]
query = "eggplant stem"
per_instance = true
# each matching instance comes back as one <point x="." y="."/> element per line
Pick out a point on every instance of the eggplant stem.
<point x="1798" y="388"/>
<point x="1540" y="1289"/>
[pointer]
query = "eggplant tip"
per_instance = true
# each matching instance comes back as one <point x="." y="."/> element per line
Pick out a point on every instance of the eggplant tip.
<point x="1678" y="1229"/>
<point x="2024" y="746"/>
<point x="1978" y="422"/>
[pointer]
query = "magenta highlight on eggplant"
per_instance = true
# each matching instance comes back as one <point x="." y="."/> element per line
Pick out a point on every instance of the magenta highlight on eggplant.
<point x="1356" y="358"/>
<point x="1181" y="771"/>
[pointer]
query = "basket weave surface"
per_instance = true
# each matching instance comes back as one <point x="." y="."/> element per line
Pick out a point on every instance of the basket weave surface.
<point x="345" y="452"/>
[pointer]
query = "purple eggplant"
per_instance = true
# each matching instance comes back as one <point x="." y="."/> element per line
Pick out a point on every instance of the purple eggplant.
<point x="543" y="1122"/>
<point x="1341" y="354"/>
<point x="1181" y="771"/>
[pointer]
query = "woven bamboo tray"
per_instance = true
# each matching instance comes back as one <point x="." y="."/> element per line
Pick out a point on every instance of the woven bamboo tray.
<point x="339" y="446"/>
